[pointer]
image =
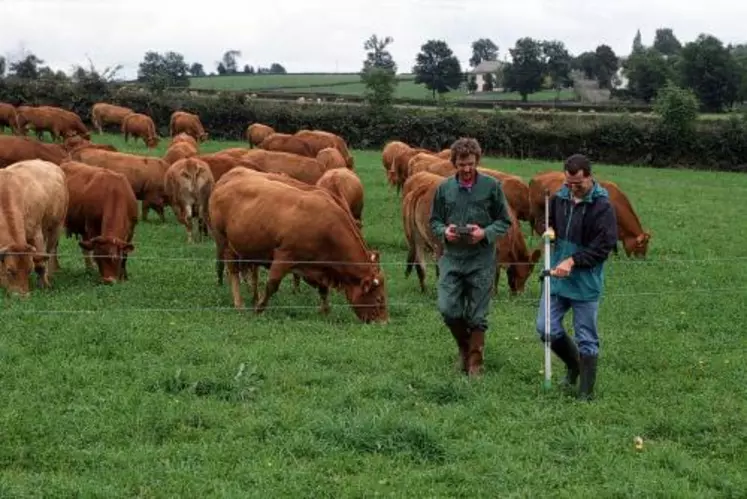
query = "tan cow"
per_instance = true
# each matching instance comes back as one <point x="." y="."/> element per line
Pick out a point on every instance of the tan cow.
<point x="391" y="151"/>
<point x="77" y="142"/>
<point x="517" y="192"/>
<point x="103" y="213"/>
<point x="288" y="229"/>
<point x="145" y="174"/>
<point x="179" y="150"/>
<point x="257" y="132"/>
<point x="184" y="122"/>
<point x="66" y="123"/>
<point x="397" y="173"/>
<point x="345" y="183"/>
<point x="629" y="229"/>
<point x="283" y="142"/>
<point x="140" y="126"/>
<point x="9" y="118"/>
<point x="188" y="184"/>
<point x="103" y="114"/>
<point x="330" y="158"/>
<point x="319" y="139"/>
<point x="184" y="137"/>
<point x="307" y="170"/>
<point x="40" y="119"/>
<point x="33" y="205"/>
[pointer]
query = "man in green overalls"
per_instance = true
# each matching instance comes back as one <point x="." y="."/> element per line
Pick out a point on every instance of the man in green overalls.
<point x="469" y="213"/>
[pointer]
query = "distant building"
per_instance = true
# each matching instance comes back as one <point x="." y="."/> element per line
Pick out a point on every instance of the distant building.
<point x="484" y="68"/>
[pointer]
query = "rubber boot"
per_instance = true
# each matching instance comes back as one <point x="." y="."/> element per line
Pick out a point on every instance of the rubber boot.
<point x="475" y="354"/>
<point x="565" y="348"/>
<point x="460" y="332"/>
<point x="588" y="377"/>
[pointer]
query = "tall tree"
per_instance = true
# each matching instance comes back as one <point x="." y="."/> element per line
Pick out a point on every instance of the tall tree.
<point x="276" y="68"/>
<point x="607" y="65"/>
<point x="647" y="71"/>
<point x="557" y="63"/>
<point x="739" y="53"/>
<point x="526" y="71"/>
<point x="229" y="61"/>
<point x="666" y="43"/>
<point x="483" y="50"/>
<point x="159" y="71"/>
<point x="437" y="67"/>
<point x="377" y="54"/>
<point x="2" y="66"/>
<point x="637" y="42"/>
<point x="28" y="67"/>
<point x="709" y="69"/>
<point x="196" y="69"/>
<point x="586" y="62"/>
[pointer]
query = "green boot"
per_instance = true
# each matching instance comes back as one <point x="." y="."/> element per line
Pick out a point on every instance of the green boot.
<point x="565" y="348"/>
<point x="588" y="377"/>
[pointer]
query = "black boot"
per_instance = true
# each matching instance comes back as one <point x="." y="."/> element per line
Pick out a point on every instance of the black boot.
<point x="588" y="377"/>
<point x="565" y="349"/>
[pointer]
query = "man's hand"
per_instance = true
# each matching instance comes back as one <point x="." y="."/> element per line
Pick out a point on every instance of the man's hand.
<point x="451" y="234"/>
<point x="549" y="233"/>
<point x="477" y="234"/>
<point x="563" y="269"/>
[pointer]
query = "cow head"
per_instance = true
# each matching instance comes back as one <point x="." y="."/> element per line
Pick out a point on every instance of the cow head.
<point x="519" y="274"/>
<point x="203" y="137"/>
<point x="108" y="252"/>
<point x="16" y="263"/>
<point x="152" y="141"/>
<point x="369" y="298"/>
<point x="637" y="246"/>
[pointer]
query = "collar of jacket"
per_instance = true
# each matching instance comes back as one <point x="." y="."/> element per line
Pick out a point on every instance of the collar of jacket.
<point x="596" y="191"/>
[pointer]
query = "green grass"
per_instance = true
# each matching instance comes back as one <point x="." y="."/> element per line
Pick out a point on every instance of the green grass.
<point x="132" y="390"/>
<point x="346" y="84"/>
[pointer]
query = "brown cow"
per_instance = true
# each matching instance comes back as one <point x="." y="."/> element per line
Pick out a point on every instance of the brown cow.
<point x="103" y="214"/>
<point x="179" y="150"/>
<point x="184" y="137"/>
<point x="345" y="184"/>
<point x="319" y="139"/>
<point x="397" y="173"/>
<point x="103" y="114"/>
<point x="283" y="142"/>
<point x="220" y="164"/>
<point x="77" y="142"/>
<point x="629" y="230"/>
<point x="512" y="253"/>
<point x="301" y="168"/>
<point x="9" y="118"/>
<point x="517" y="192"/>
<point x="188" y="184"/>
<point x="33" y="205"/>
<point x="42" y="120"/>
<point x="66" y="123"/>
<point x="257" y="132"/>
<point x="15" y="149"/>
<point x="144" y="173"/>
<point x="140" y="126"/>
<point x="184" y="122"/>
<point x="331" y="158"/>
<point x="391" y="151"/>
<point x="294" y="230"/>
<point x="424" y="162"/>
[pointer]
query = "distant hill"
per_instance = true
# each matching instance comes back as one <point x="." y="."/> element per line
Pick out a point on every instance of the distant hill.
<point x="344" y="84"/>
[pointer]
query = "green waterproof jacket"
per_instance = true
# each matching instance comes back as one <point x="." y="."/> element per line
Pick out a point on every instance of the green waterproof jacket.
<point x="586" y="231"/>
<point x="483" y="204"/>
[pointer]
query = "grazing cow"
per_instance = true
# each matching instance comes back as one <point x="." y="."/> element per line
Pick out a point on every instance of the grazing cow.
<point x="66" y="123"/>
<point x="517" y="192"/>
<point x="417" y="198"/>
<point x="397" y="173"/>
<point x="103" y="214"/>
<point x="319" y="139"/>
<point x="391" y="151"/>
<point x="78" y="142"/>
<point x="283" y="142"/>
<point x="9" y="118"/>
<point x="220" y="164"/>
<point x="144" y="173"/>
<point x="184" y="122"/>
<point x="103" y="114"/>
<point x="15" y="149"/>
<point x="140" y="126"/>
<point x="629" y="229"/>
<point x="179" y="150"/>
<point x="33" y="205"/>
<point x="294" y="230"/>
<point x="42" y="120"/>
<point x="345" y="184"/>
<point x="256" y="133"/>
<point x="184" y="137"/>
<point x="188" y="184"/>
<point x="331" y="158"/>
<point x="301" y="168"/>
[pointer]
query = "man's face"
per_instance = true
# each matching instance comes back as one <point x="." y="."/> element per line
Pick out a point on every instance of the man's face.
<point x="466" y="167"/>
<point x="578" y="184"/>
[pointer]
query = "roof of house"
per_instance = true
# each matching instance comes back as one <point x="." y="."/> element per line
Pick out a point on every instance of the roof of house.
<point x="488" y="67"/>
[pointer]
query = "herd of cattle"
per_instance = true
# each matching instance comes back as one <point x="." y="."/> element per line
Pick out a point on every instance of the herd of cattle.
<point x="288" y="202"/>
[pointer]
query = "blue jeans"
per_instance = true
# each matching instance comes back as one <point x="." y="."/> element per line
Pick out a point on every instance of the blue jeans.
<point x="585" y="326"/>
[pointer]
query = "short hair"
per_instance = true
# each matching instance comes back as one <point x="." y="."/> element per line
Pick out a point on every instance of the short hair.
<point x="578" y="163"/>
<point x="465" y="146"/>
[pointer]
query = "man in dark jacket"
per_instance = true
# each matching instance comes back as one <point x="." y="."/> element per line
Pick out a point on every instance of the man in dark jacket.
<point x="584" y="227"/>
<point x="469" y="213"/>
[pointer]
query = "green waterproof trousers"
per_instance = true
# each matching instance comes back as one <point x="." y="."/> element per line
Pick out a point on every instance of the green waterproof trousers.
<point x="464" y="288"/>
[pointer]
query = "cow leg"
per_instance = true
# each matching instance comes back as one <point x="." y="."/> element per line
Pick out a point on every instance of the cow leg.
<point x="324" y="300"/>
<point x="41" y="262"/>
<point x="234" y="282"/>
<point x="253" y="275"/>
<point x="281" y="265"/>
<point x="145" y="208"/>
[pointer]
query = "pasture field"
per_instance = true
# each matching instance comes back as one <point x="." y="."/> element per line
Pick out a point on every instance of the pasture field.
<point x="347" y="84"/>
<point x="158" y="387"/>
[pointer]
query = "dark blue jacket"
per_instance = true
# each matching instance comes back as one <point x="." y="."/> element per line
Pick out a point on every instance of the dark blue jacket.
<point x="587" y="231"/>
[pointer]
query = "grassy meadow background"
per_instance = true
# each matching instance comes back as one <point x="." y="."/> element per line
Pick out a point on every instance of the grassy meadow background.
<point x="157" y="387"/>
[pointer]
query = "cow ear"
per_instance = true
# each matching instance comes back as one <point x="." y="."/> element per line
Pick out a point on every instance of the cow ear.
<point x="366" y="285"/>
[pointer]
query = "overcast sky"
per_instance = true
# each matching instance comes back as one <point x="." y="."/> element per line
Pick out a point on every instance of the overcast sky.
<point x="328" y="35"/>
